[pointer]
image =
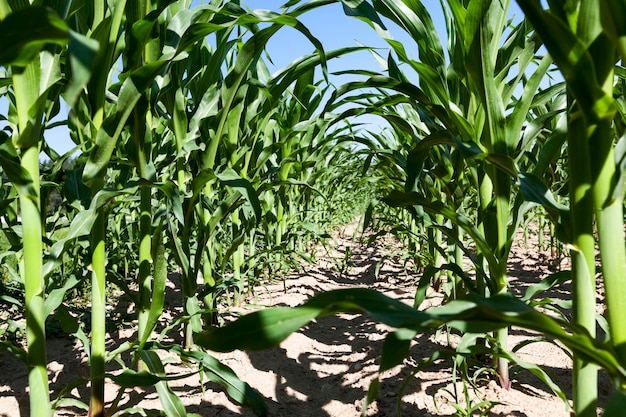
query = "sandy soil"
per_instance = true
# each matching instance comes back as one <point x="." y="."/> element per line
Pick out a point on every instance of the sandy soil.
<point x="324" y="370"/>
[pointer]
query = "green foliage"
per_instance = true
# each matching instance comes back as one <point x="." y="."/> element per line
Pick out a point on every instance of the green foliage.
<point x="212" y="174"/>
<point x="200" y="170"/>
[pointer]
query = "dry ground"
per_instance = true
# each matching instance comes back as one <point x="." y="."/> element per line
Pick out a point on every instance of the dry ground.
<point x="324" y="370"/>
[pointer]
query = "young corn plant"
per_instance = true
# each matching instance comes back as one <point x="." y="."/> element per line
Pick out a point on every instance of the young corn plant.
<point x="470" y="105"/>
<point x="34" y="71"/>
<point x="585" y="51"/>
<point x="591" y="108"/>
<point x="240" y="107"/>
<point x="245" y="135"/>
<point x="106" y="108"/>
<point x="96" y="126"/>
<point x="124" y="116"/>
<point x="138" y="136"/>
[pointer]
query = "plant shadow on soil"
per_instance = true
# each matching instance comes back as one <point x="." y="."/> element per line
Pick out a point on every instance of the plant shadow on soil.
<point x="323" y="370"/>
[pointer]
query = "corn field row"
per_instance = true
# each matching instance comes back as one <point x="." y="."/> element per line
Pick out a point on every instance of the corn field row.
<point x="192" y="157"/>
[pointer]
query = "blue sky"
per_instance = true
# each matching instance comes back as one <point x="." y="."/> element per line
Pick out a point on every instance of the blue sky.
<point x="335" y="30"/>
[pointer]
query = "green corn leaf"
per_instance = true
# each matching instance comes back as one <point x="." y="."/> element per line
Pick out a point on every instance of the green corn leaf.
<point x="573" y="59"/>
<point x="400" y="199"/>
<point x="232" y="248"/>
<point x="192" y="307"/>
<point x="413" y="16"/>
<point x="368" y="216"/>
<point x="620" y="164"/>
<point x="614" y="22"/>
<point x="286" y="76"/>
<point x="237" y="390"/>
<point x="25" y="32"/>
<point x="132" y="89"/>
<point x="249" y="53"/>
<point x="532" y="133"/>
<point x="225" y="207"/>
<point x="364" y="11"/>
<point x="14" y="350"/>
<point x="372" y="394"/>
<point x="160" y="280"/>
<point x="106" y="31"/>
<point x="517" y="118"/>
<point x="290" y="182"/>
<point x="535" y="191"/>
<point x="267" y="328"/>
<point x="11" y="300"/>
<point x="504" y="163"/>
<point x="539" y="373"/>
<point x="12" y="168"/>
<point x="172" y="405"/>
<point x="72" y="402"/>
<point x="83" y="53"/>
<point x="69" y="323"/>
<point x="179" y="251"/>
<point x="231" y="179"/>
<point x="129" y="378"/>
<point x="55" y="297"/>
<point x="200" y="181"/>
<point x="423" y="285"/>
<point x="256" y="332"/>
<point x="395" y="348"/>
<point x="430" y="271"/>
<point x="141" y="32"/>
<point x="74" y="188"/>
<point x="546" y="283"/>
<point x="616" y="404"/>
<point x="81" y="226"/>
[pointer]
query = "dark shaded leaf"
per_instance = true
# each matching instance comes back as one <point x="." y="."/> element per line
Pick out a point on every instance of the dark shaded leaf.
<point x="26" y="31"/>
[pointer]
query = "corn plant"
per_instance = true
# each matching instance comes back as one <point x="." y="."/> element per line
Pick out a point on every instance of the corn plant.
<point x="34" y="72"/>
<point x="589" y="43"/>
<point x="222" y="142"/>
<point x="120" y="82"/>
<point x="193" y="154"/>
<point x="466" y="107"/>
<point x="588" y="38"/>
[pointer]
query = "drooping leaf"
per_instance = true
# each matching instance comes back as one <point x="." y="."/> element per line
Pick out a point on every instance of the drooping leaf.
<point x="10" y="162"/>
<point x="25" y="32"/>
<point x="267" y="328"/>
<point x="237" y="390"/>
<point x="231" y="179"/>
<point x="83" y="53"/>
<point x="172" y="405"/>
<point x="395" y="348"/>
<point x="535" y="191"/>
<point x="129" y="378"/>
<point x="132" y="89"/>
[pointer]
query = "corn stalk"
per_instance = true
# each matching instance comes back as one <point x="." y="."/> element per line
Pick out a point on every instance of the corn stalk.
<point x="34" y="73"/>
<point x="584" y="49"/>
